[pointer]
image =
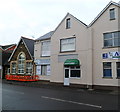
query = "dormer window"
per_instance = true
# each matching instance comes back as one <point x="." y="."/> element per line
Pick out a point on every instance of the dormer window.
<point x="112" y="14"/>
<point x="68" y="23"/>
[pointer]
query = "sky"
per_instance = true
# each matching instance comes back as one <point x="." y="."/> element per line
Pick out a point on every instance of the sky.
<point x="34" y="18"/>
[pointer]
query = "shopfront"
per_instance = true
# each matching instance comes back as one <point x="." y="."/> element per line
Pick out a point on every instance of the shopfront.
<point x="71" y="70"/>
<point x="42" y="67"/>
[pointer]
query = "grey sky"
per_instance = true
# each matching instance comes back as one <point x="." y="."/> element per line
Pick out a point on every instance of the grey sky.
<point x="37" y="17"/>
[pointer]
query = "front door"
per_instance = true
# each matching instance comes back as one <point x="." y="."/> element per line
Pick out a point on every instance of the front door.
<point x="66" y="77"/>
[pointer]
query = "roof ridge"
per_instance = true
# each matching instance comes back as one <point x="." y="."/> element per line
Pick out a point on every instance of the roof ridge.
<point x="27" y="38"/>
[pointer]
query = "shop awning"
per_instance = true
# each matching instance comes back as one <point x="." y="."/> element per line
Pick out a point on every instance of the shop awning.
<point x="72" y="62"/>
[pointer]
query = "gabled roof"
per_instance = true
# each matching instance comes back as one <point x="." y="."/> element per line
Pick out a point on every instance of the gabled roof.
<point x="73" y="17"/>
<point x="110" y="3"/>
<point x="29" y="44"/>
<point x="5" y="47"/>
<point x="46" y="36"/>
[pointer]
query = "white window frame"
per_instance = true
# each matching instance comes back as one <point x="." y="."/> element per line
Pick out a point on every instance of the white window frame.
<point x="75" y="68"/>
<point x="67" y="43"/>
<point x="45" y="52"/>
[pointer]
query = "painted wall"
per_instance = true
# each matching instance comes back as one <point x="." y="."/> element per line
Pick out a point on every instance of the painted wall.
<point x="103" y="25"/>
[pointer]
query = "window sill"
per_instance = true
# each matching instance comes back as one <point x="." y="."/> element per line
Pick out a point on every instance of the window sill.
<point x="67" y="51"/>
<point x="44" y="56"/>
<point x="112" y="19"/>
<point x="107" y="77"/>
<point x="110" y="47"/>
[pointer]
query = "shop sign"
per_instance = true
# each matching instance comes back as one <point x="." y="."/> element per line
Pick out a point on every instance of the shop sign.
<point x="42" y="61"/>
<point x="111" y="55"/>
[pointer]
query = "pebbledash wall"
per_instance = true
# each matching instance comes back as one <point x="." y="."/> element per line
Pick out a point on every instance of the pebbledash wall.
<point x="80" y="54"/>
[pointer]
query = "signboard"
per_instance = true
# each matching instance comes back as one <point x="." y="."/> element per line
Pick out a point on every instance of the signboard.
<point x="111" y="55"/>
<point x="42" y="61"/>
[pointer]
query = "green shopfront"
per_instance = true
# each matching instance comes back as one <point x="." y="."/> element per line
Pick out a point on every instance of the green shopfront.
<point x="71" y="70"/>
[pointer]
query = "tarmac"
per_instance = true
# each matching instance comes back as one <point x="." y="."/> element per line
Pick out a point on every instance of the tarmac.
<point x="50" y="85"/>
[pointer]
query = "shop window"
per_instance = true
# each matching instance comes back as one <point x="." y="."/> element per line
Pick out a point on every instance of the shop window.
<point x="112" y="14"/>
<point x="43" y="69"/>
<point x="112" y="39"/>
<point x="67" y="44"/>
<point x="75" y="72"/>
<point x="107" y="71"/>
<point x="29" y="67"/>
<point x="118" y="69"/>
<point x="13" y="68"/>
<point x="21" y="64"/>
<point x="45" y="48"/>
<point x="68" y="23"/>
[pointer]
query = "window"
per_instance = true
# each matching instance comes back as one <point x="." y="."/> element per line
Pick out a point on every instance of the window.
<point x="75" y="72"/>
<point x="21" y="63"/>
<point x="112" y="39"/>
<point x="29" y="67"/>
<point x="13" y="68"/>
<point x="107" y="72"/>
<point x="45" y="48"/>
<point x="43" y="69"/>
<point x="112" y="14"/>
<point x="118" y="69"/>
<point x="68" y="24"/>
<point x="67" y="44"/>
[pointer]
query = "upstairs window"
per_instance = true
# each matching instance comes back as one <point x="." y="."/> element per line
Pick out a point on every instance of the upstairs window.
<point x="68" y="23"/>
<point x="67" y="44"/>
<point x="45" y="48"/>
<point x="112" y="14"/>
<point x="112" y="39"/>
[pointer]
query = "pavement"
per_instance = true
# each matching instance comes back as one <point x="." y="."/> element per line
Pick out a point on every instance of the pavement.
<point x="50" y="85"/>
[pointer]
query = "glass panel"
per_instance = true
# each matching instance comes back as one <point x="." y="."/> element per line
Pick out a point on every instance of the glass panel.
<point x="117" y="41"/>
<point x="66" y="73"/>
<point x="112" y="13"/>
<point x="107" y="35"/>
<point x="108" y="43"/>
<point x="118" y="69"/>
<point x="107" y="73"/>
<point x="68" y="23"/>
<point x="75" y="73"/>
<point x="44" y="69"/>
<point x="68" y="44"/>
<point x="46" y="48"/>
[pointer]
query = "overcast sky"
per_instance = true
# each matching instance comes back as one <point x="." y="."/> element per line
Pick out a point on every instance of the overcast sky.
<point x="37" y="17"/>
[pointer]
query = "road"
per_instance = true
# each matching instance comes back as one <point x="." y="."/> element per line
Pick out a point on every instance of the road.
<point x="15" y="97"/>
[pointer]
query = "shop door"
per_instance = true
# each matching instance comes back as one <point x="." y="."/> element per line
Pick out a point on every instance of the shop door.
<point x="66" y="76"/>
